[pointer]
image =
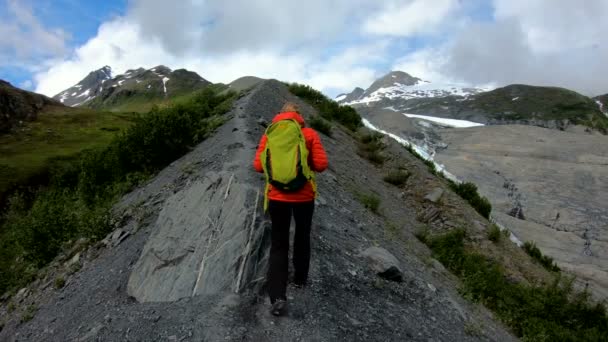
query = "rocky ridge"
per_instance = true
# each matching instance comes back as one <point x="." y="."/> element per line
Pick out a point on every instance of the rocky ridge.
<point x="101" y="89"/>
<point x="17" y="105"/>
<point x="187" y="260"/>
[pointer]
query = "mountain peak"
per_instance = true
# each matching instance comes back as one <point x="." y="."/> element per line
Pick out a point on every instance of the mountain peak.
<point x="101" y="87"/>
<point x="391" y="79"/>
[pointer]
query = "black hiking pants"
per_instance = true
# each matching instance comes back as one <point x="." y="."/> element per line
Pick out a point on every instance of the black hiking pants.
<point x="278" y="268"/>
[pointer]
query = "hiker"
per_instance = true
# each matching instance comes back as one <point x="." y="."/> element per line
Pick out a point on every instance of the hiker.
<point x="290" y="191"/>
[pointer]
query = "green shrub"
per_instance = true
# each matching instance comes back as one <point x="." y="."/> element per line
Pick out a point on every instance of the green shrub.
<point x="59" y="282"/>
<point x="81" y="190"/>
<point x="370" y="201"/>
<point x="397" y="177"/>
<point x="468" y="191"/>
<point x="320" y="125"/>
<point x="535" y="313"/>
<point x="536" y="254"/>
<point x="370" y="146"/>
<point x="29" y="313"/>
<point x="494" y="233"/>
<point x="327" y="108"/>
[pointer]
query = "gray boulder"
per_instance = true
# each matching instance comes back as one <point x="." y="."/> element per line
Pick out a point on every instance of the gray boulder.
<point x="383" y="263"/>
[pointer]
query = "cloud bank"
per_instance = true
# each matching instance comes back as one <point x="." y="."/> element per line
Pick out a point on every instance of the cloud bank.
<point x="335" y="45"/>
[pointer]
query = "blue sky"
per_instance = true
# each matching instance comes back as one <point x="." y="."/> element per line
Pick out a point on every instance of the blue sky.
<point x="333" y="45"/>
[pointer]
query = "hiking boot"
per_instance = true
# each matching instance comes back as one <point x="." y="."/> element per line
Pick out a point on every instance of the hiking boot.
<point x="279" y="307"/>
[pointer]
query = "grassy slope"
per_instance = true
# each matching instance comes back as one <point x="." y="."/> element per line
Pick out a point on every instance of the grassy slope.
<point x="522" y="102"/>
<point x="139" y="101"/>
<point x="60" y="132"/>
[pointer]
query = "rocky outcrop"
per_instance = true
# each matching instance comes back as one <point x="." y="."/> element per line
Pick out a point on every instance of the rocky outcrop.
<point x="354" y="95"/>
<point x="18" y="105"/>
<point x="202" y="241"/>
<point x="383" y="263"/>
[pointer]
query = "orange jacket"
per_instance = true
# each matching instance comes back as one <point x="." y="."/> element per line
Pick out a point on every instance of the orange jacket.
<point x="317" y="160"/>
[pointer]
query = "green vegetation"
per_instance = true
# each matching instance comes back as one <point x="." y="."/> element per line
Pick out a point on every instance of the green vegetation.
<point x="535" y="313"/>
<point x="494" y="233"/>
<point x="397" y="177"/>
<point x="370" y="201"/>
<point x="143" y="96"/>
<point x="536" y="254"/>
<point x="75" y="204"/>
<point x="59" y="282"/>
<point x="370" y="146"/>
<point x="519" y="102"/>
<point x="541" y="103"/>
<point x="320" y="124"/>
<point x="29" y="313"/>
<point x="468" y="191"/>
<point x="327" y="108"/>
<point x="28" y="155"/>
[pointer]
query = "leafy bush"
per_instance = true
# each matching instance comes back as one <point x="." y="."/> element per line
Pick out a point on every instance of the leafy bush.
<point x="468" y="191"/>
<point x="327" y="108"/>
<point x="370" y="146"/>
<point x="536" y="254"/>
<point x="535" y="313"/>
<point x="397" y="177"/>
<point x="320" y="125"/>
<point x="59" y="282"/>
<point x="370" y="201"/>
<point x="81" y="191"/>
<point x="494" y="233"/>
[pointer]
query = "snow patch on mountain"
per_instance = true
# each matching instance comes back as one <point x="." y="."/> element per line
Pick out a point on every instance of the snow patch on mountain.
<point x="602" y="109"/>
<point x="340" y="98"/>
<point x="421" y="89"/>
<point x="165" y="80"/>
<point x="447" y="122"/>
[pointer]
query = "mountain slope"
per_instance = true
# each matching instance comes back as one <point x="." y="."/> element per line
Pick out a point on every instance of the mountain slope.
<point x="101" y="90"/>
<point x="196" y="234"/>
<point x="602" y="102"/>
<point x="397" y="87"/>
<point x="17" y="105"/>
<point x="549" y="107"/>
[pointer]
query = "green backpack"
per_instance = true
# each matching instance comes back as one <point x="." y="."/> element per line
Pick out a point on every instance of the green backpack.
<point x="285" y="158"/>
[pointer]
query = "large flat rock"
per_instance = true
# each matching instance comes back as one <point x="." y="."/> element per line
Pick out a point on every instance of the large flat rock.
<point x="199" y="241"/>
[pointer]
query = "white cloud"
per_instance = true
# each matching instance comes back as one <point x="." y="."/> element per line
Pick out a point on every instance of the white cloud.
<point x="406" y="18"/>
<point x="544" y="42"/>
<point x="120" y="44"/>
<point x="27" y="84"/>
<point x="24" y="37"/>
<point x="335" y="45"/>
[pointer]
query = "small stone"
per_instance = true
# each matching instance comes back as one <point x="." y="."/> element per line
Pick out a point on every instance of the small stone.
<point x="383" y="263"/>
<point x="438" y="266"/>
<point x="432" y="287"/>
<point x="262" y="122"/>
<point x="320" y="201"/>
<point x="435" y="195"/>
<point x="107" y="318"/>
<point x="75" y="259"/>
